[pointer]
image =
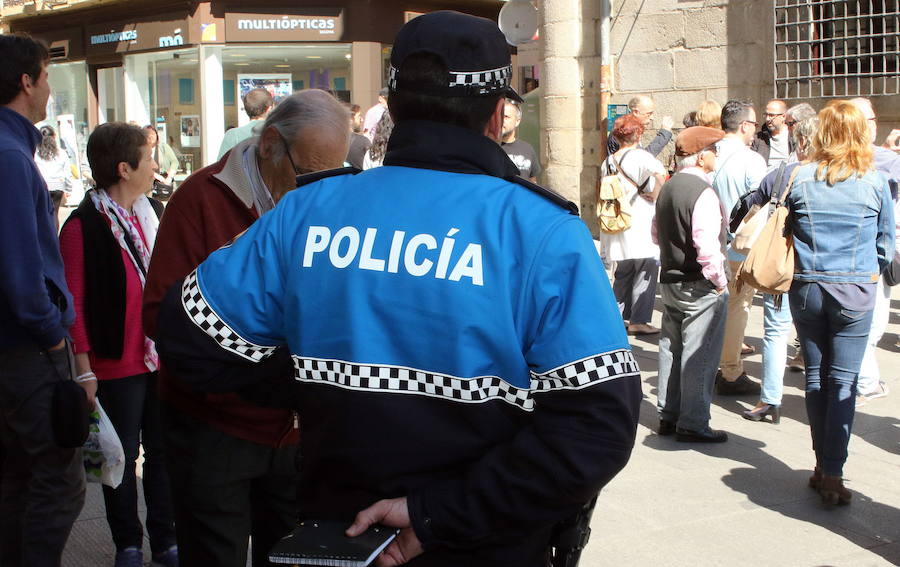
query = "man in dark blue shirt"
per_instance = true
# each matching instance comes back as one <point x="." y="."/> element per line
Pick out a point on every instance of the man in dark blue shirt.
<point x="42" y="484"/>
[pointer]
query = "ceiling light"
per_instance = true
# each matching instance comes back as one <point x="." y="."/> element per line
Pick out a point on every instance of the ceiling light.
<point x="241" y="64"/>
<point x="313" y="56"/>
<point x="283" y="66"/>
<point x="348" y="56"/>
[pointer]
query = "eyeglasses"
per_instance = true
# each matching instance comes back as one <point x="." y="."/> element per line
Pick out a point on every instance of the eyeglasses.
<point x="752" y="122"/>
<point x="774" y="114"/>
<point x="287" y="150"/>
<point x="789" y="123"/>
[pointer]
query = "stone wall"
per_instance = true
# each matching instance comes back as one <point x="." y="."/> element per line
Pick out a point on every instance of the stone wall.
<point x="682" y="52"/>
<point x="570" y="130"/>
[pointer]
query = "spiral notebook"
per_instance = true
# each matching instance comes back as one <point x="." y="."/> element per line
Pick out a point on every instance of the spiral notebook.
<point x="323" y="543"/>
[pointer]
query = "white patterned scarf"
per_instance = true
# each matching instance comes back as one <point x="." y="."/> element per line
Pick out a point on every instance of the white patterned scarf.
<point x="122" y="228"/>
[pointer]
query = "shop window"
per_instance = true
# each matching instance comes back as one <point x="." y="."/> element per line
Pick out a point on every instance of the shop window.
<point x="283" y="69"/>
<point x="163" y="89"/>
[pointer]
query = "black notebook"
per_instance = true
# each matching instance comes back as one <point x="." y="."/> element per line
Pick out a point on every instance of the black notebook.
<point x="323" y="543"/>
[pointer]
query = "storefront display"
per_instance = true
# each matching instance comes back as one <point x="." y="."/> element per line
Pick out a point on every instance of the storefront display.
<point x="184" y="67"/>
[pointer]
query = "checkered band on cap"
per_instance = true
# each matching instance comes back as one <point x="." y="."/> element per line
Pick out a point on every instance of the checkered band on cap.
<point x="479" y="389"/>
<point x="468" y="83"/>
<point x="209" y="322"/>
<point x="587" y="372"/>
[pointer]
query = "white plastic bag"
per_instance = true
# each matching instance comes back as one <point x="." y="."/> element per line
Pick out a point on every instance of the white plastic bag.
<point x="104" y="459"/>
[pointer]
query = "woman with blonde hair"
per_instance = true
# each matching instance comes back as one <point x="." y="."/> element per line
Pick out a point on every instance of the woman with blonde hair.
<point x="842" y="221"/>
<point x="710" y="114"/>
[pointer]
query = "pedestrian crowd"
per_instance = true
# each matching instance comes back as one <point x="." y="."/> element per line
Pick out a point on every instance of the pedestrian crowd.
<point x="381" y="318"/>
<point x="839" y="190"/>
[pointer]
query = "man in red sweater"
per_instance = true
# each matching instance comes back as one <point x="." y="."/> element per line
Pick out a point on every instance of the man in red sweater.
<point x="233" y="464"/>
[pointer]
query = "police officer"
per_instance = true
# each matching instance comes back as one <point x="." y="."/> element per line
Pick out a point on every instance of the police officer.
<point x="462" y="371"/>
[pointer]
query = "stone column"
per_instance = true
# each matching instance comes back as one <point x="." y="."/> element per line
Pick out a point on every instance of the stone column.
<point x="365" y="74"/>
<point x="570" y="137"/>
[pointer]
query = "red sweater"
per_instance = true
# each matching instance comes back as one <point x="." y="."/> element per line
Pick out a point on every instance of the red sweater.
<point x="71" y="244"/>
<point x="202" y="215"/>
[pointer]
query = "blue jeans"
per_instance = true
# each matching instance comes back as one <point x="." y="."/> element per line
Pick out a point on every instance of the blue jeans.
<point x="689" y="347"/>
<point x="776" y="328"/>
<point x="833" y="340"/>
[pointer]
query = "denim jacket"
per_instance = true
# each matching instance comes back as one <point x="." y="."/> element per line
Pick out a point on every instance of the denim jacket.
<point x="842" y="233"/>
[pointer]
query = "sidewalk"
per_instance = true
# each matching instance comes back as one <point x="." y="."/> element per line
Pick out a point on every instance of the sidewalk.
<point x="744" y="502"/>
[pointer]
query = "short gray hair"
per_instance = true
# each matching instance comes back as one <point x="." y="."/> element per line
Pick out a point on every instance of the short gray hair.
<point x="682" y="162"/>
<point x="801" y="112"/>
<point x="637" y="100"/>
<point x="307" y="109"/>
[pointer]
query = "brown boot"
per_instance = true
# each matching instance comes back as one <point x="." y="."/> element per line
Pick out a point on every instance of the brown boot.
<point x="832" y="491"/>
<point x="816" y="479"/>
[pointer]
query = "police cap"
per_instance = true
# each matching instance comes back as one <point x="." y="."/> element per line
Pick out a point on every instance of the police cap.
<point x="473" y="49"/>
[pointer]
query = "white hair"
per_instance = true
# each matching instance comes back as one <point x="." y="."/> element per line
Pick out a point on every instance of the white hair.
<point x="636" y="101"/>
<point x="312" y="108"/>
<point x="800" y="112"/>
<point x="682" y="162"/>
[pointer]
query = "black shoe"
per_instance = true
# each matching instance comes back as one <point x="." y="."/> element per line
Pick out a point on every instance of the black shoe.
<point x="740" y="387"/>
<point x="666" y="427"/>
<point x="704" y="436"/>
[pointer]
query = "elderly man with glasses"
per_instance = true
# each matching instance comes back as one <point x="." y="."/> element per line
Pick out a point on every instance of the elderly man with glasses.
<point x="739" y="171"/>
<point x="233" y="463"/>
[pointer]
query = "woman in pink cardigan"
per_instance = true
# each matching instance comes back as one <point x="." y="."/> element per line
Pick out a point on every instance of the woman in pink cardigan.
<point x="106" y="246"/>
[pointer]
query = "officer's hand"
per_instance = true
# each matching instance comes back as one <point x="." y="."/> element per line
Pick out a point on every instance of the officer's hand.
<point x="393" y="513"/>
<point x="667" y="123"/>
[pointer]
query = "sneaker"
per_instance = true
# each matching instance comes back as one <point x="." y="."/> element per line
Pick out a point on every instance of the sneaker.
<point x="130" y="557"/>
<point x="743" y="385"/>
<point x="796" y="363"/>
<point x="880" y="392"/>
<point x="168" y="558"/>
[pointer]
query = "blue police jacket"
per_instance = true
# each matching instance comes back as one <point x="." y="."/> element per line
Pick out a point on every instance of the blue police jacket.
<point x="454" y="340"/>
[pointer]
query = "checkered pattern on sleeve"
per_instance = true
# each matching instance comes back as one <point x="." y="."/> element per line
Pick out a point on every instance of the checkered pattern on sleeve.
<point x="209" y="322"/>
<point x="403" y="380"/>
<point x="587" y="372"/>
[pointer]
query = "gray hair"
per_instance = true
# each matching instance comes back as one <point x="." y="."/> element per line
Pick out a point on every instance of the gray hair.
<point x="801" y="112"/>
<point x="804" y="132"/>
<point x="312" y="108"/>
<point x="682" y="162"/>
<point x="637" y="100"/>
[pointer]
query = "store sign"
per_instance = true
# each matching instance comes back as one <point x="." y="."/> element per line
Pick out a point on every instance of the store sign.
<point x="324" y="25"/>
<point x="136" y="36"/>
<point x="114" y="37"/>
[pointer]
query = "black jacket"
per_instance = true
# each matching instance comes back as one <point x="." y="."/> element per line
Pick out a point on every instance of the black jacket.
<point x="762" y="143"/>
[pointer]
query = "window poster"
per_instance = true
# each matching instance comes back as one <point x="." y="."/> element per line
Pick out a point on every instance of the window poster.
<point x="190" y="131"/>
<point x="279" y="86"/>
